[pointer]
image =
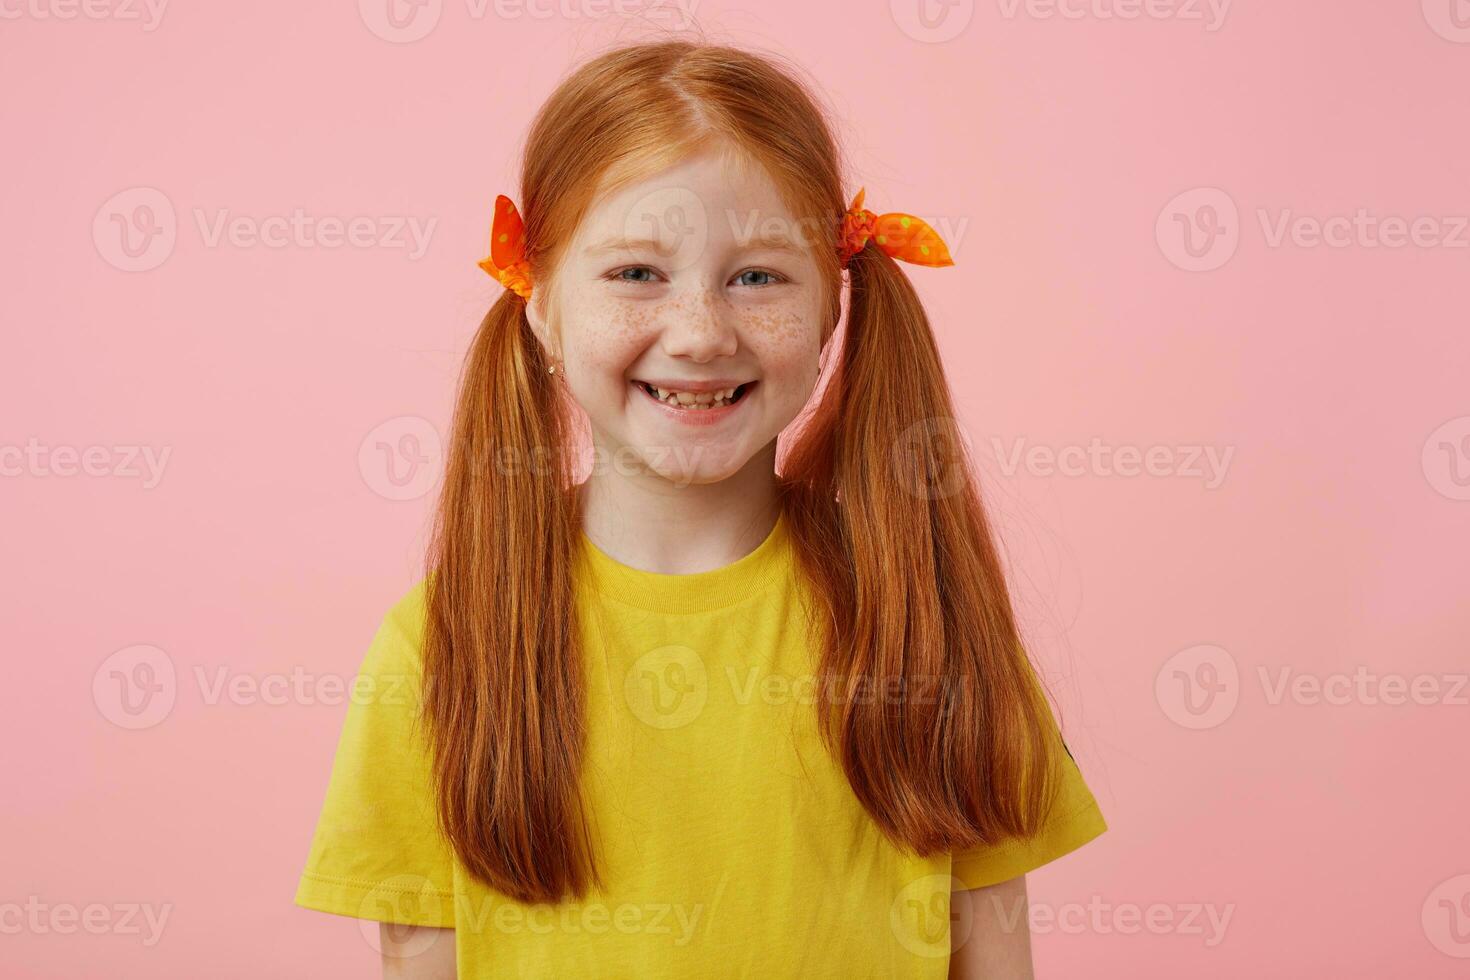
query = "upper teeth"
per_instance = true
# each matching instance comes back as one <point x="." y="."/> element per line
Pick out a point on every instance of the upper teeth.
<point x="700" y="398"/>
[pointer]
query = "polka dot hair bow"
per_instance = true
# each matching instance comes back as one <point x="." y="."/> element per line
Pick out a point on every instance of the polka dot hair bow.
<point x="902" y="236"/>
<point x="507" y="260"/>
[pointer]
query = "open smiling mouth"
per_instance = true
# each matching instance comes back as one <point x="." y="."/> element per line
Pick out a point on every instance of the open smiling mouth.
<point x="696" y="401"/>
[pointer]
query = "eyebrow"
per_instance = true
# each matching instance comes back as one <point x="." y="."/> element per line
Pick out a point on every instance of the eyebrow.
<point x="625" y="244"/>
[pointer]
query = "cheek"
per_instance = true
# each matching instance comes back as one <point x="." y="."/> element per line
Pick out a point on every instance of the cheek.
<point x="786" y="340"/>
<point x="778" y="326"/>
<point x="609" y="335"/>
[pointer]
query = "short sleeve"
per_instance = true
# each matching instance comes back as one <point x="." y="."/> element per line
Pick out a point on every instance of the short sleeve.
<point x="377" y="852"/>
<point x="1073" y="820"/>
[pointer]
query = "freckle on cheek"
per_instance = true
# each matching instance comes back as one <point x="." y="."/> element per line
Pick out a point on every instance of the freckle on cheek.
<point x="624" y="322"/>
<point x="775" y="324"/>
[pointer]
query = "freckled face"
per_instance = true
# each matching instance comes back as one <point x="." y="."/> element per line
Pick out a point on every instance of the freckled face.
<point x="697" y="276"/>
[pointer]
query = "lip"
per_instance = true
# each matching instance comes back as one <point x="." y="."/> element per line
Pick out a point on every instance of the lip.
<point x="696" y="416"/>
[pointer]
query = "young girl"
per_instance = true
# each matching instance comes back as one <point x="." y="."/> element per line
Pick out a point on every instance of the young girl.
<point x="698" y="715"/>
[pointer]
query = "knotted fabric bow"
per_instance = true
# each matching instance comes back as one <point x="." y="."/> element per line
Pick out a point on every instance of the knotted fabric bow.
<point x="507" y="261"/>
<point x="902" y="236"/>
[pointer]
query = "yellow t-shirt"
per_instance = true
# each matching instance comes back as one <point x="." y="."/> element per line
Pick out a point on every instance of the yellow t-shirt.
<point x="730" y="840"/>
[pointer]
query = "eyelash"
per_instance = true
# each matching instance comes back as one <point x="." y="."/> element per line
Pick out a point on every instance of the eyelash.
<point x="617" y="276"/>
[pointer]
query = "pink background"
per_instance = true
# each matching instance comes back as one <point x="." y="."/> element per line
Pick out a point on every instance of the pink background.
<point x="1333" y="835"/>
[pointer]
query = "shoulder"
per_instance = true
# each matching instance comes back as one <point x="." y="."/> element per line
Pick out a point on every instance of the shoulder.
<point x="408" y="611"/>
<point x="400" y="636"/>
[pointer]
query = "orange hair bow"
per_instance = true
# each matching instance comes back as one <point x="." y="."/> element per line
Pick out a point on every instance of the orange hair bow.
<point x="902" y="236"/>
<point x="507" y="261"/>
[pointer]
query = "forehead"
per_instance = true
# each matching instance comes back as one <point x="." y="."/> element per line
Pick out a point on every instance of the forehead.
<point x="715" y="194"/>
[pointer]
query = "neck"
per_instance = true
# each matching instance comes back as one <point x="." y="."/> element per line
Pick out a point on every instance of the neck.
<point x="647" y="522"/>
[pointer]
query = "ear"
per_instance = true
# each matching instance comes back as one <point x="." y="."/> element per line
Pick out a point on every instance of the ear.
<point x="536" y="317"/>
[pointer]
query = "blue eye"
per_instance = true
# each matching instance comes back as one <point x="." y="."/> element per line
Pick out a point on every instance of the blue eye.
<point x="619" y="275"/>
<point x="758" y="272"/>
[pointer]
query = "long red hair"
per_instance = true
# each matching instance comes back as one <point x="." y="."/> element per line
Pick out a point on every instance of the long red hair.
<point x="931" y="707"/>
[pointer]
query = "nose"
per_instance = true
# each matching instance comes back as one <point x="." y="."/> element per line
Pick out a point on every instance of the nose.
<point x="700" y="325"/>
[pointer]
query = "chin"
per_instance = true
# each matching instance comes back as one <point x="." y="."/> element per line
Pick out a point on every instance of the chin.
<point x="698" y="476"/>
<point x="693" y="465"/>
